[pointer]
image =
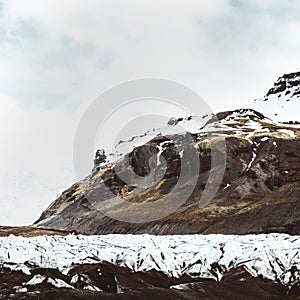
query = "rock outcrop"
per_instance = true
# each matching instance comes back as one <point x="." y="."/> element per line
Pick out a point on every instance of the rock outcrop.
<point x="281" y="102"/>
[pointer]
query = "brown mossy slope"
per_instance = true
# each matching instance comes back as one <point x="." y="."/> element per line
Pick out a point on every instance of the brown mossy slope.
<point x="259" y="191"/>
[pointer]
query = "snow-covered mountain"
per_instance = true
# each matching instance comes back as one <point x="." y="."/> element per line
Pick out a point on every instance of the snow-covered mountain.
<point x="280" y="104"/>
<point x="191" y="124"/>
<point x="257" y="153"/>
<point x="262" y="163"/>
<point x="282" y="101"/>
<point x="241" y="122"/>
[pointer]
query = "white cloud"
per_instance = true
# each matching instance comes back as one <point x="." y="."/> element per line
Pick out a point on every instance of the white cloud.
<point x="57" y="56"/>
<point x="78" y="50"/>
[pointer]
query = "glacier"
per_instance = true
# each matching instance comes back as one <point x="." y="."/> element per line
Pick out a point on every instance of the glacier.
<point x="272" y="256"/>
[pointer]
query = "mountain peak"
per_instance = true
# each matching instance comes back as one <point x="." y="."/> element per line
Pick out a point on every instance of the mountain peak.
<point x="286" y="84"/>
<point x="281" y="102"/>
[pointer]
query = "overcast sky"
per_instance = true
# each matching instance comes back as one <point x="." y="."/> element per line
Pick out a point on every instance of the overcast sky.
<point x="56" y="57"/>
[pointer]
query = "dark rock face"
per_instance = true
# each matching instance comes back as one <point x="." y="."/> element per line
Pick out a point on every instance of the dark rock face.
<point x="106" y="281"/>
<point x="259" y="192"/>
<point x="285" y="82"/>
<point x="100" y="158"/>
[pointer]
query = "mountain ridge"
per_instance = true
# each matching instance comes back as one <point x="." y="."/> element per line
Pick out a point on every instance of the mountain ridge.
<point x="262" y="162"/>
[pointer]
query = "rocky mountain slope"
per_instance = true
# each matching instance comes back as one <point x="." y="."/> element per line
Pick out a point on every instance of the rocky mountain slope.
<point x="258" y="192"/>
